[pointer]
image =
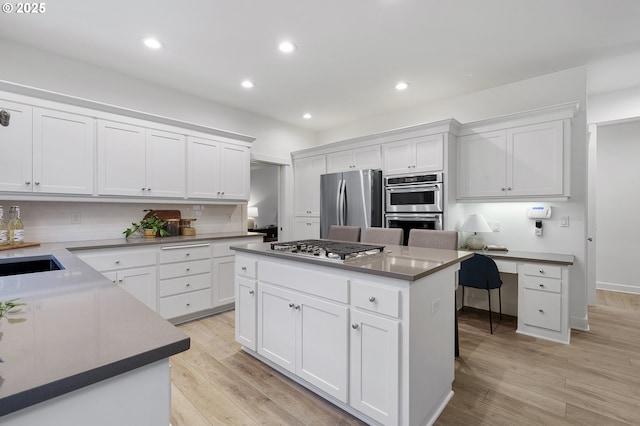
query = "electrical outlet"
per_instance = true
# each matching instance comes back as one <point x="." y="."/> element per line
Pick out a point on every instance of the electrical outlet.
<point x="435" y="306"/>
<point x="76" y="218"/>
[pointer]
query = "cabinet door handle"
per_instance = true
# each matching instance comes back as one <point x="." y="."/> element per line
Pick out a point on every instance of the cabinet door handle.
<point x="291" y="305"/>
<point x="143" y="189"/>
<point x="297" y="307"/>
<point x="244" y="269"/>
<point x="148" y="189"/>
<point x="188" y="303"/>
<point x="27" y="182"/>
<point x="503" y="189"/>
<point x="508" y="188"/>
<point x="372" y="299"/>
<point x="541" y="311"/>
<point x="120" y="280"/>
<point x="354" y="326"/>
<point x="251" y="291"/>
<point x="37" y="183"/>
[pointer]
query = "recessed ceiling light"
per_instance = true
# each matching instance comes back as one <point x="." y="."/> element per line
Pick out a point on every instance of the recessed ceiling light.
<point x="403" y="85"/>
<point x="247" y="84"/>
<point x="306" y="116"/>
<point x="152" y="43"/>
<point x="287" y="46"/>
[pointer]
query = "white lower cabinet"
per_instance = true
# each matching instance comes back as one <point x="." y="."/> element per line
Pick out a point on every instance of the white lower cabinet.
<point x="245" y="312"/>
<point x="374" y="366"/>
<point x="306" y="228"/>
<point x="306" y="335"/>
<point x="184" y="279"/>
<point x="543" y="301"/>
<point x="132" y="269"/>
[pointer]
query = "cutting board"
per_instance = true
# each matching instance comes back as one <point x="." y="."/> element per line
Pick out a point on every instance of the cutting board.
<point x="19" y="246"/>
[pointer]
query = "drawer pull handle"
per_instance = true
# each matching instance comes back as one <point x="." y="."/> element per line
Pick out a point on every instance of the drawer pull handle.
<point x="120" y="280"/>
<point x="188" y="254"/>
<point x="542" y="271"/>
<point x="251" y="291"/>
<point x="244" y="269"/>
<point x="541" y="285"/>
<point x="297" y="307"/>
<point x="117" y="262"/>
<point x="188" y="269"/>
<point x="372" y="299"/>
<point x="354" y="326"/>
<point x="27" y="182"/>
<point x="188" y="303"/>
<point x="188" y="284"/>
<point x="291" y="305"/>
<point x="541" y="311"/>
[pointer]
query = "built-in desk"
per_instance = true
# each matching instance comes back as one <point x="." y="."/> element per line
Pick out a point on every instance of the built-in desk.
<point x="543" y="291"/>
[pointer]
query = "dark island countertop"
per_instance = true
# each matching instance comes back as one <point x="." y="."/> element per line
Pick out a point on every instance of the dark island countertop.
<point x="400" y="262"/>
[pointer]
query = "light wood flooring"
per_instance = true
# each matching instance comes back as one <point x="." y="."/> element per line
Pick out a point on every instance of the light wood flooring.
<point x="501" y="379"/>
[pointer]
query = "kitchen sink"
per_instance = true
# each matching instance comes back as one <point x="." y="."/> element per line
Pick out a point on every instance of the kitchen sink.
<point x="29" y="265"/>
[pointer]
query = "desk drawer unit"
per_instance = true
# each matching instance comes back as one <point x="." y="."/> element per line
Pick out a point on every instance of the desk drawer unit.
<point x="380" y="300"/>
<point x="542" y="301"/>
<point x="542" y="309"/>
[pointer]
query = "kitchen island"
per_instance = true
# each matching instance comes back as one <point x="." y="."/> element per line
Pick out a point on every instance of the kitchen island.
<point x="373" y="335"/>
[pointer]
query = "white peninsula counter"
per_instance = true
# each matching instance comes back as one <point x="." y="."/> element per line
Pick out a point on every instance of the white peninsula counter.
<point x="374" y="335"/>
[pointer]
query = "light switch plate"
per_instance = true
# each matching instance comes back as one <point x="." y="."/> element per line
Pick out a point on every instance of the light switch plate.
<point x="564" y="221"/>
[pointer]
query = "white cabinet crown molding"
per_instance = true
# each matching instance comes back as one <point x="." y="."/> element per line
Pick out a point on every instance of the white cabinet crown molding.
<point x="54" y="100"/>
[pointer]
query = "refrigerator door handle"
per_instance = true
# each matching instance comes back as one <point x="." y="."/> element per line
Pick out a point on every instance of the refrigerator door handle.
<point x="339" y="202"/>
<point x="344" y="203"/>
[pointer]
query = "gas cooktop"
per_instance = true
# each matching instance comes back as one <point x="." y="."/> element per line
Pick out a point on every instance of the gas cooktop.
<point x="335" y="250"/>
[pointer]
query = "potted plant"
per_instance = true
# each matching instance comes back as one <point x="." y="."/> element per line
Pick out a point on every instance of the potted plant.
<point x="151" y="226"/>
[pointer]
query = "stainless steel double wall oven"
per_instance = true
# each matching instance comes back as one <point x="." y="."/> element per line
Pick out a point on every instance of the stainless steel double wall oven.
<point x="414" y="202"/>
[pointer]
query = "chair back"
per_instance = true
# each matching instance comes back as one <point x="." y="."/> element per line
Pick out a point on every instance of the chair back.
<point x="344" y="233"/>
<point x="479" y="271"/>
<point x="392" y="236"/>
<point x="429" y="238"/>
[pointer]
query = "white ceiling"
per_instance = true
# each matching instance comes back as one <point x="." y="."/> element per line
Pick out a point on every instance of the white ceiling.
<point x="350" y="52"/>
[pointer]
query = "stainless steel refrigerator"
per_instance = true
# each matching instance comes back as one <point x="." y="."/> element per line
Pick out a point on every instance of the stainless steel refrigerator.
<point x="350" y="199"/>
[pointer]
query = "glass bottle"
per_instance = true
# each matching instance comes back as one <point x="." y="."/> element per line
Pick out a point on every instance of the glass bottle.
<point x="4" y="229"/>
<point x="16" y="227"/>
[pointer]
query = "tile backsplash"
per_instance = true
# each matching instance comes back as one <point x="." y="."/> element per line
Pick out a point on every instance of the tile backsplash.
<point x="50" y="221"/>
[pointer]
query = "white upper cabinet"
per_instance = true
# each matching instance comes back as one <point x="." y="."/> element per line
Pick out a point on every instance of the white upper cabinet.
<point x="307" y="172"/>
<point x="235" y="169"/>
<point x="217" y="170"/>
<point x="134" y="161"/>
<point x="165" y="164"/>
<point x="354" y="159"/>
<point x="15" y="142"/>
<point x="63" y="152"/>
<point x="516" y="162"/>
<point x="46" y="151"/>
<point x="416" y="155"/>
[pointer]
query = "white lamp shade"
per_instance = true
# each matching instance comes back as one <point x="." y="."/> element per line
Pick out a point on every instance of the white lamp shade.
<point x="476" y="223"/>
<point x="252" y="212"/>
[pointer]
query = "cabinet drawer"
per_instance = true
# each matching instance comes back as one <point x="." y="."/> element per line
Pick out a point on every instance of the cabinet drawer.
<point x="246" y="267"/>
<point x="184" y="284"/>
<point x="542" y="309"/>
<point x="322" y="284"/>
<point x="376" y="299"/>
<point x="183" y="252"/>
<point x="541" y="270"/>
<point x="506" y="266"/>
<point x="183" y="269"/>
<point x="118" y="259"/>
<point x="184" y="304"/>
<point x="221" y="250"/>
<point x="542" y="283"/>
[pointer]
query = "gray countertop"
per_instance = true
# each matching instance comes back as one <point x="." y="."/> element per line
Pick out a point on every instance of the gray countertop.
<point x="399" y="262"/>
<point x="529" y="256"/>
<point x="77" y="328"/>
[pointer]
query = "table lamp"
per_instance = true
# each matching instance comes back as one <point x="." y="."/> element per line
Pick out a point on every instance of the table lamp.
<point x="475" y="223"/>
<point x="252" y="213"/>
